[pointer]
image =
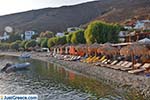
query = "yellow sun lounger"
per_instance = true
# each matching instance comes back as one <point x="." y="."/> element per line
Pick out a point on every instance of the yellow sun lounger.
<point x="102" y="58"/>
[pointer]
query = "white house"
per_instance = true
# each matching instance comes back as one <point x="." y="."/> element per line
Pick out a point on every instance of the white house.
<point x="29" y="34"/>
<point x="59" y="34"/>
<point x="122" y="35"/>
<point x="5" y="36"/>
<point x="128" y="27"/>
<point x="142" y="24"/>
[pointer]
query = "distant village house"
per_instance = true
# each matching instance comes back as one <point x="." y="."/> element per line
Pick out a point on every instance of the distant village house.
<point x="28" y="34"/>
<point x="59" y="34"/>
<point x="139" y="25"/>
<point x="5" y="36"/>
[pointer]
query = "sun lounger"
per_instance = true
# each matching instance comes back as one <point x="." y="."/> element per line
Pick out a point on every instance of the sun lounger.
<point x="102" y="58"/>
<point x="100" y="63"/>
<point x="125" y="63"/>
<point x="78" y="57"/>
<point x="141" y="69"/>
<point x="111" y="64"/>
<point x="117" y="66"/>
<point x="136" y="71"/>
<point x="91" y="59"/>
<point x="104" y="61"/>
<point x="69" y="58"/>
<point x="137" y="65"/>
<point x="107" y="62"/>
<point x="95" y="59"/>
<point x="114" y="62"/>
<point x="128" y="65"/>
<point x="126" y="68"/>
<point x="119" y="63"/>
<point x="146" y="65"/>
<point x="75" y="58"/>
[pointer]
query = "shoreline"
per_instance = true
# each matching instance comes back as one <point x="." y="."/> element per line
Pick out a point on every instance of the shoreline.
<point x="117" y="78"/>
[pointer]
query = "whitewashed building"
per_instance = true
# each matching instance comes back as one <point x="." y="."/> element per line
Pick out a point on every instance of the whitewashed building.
<point x="29" y="34"/>
<point x="59" y="34"/>
<point x="143" y="24"/>
<point x="5" y="36"/>
<point x="122" y="35"/>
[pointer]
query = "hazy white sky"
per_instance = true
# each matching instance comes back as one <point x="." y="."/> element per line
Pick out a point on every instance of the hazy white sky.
<point x="13" y="6"/>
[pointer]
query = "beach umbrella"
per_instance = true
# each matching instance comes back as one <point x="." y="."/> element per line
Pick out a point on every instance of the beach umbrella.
<point x="134" y="50"/>
<point x="93" y="48"/>
<point x="108" y="50"/>
<point x="81" y="47"/>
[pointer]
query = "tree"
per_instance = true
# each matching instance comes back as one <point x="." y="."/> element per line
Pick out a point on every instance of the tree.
<point x="61" y="40"/>
<point x="78" y="37"/>
<point x="15" y="45"/>
<point x="44" y="42"/>
<point x="34" y="36"/>
<point x="31" y="43"/>
<point x="39" y="41"/>
<point x="23" y="44"/>
<point x="101" y="32"/>
<point x="51" y="42"/>
<point x="4" y="46"/>
<point x="68" y="38"/>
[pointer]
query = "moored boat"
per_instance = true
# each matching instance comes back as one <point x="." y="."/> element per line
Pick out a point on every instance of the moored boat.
<point x="25" y="55"/>
<point x="15" y="67"/>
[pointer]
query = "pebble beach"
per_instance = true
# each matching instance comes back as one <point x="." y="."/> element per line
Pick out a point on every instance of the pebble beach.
<point x="117" y="78"/>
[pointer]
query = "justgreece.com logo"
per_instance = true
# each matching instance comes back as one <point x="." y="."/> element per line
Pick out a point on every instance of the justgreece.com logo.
<point x="1" y="97"/>
<point x="18" y="97"/>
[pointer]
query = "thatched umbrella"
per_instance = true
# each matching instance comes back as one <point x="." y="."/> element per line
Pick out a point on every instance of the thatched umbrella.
<point x="134" y="50"/>
<point x="81" y="47"/>
<point x="108" y="50"/>
<point x="93" y="48"/>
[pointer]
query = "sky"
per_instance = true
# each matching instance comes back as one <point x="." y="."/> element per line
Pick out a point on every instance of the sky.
<point x="14" y="6"/>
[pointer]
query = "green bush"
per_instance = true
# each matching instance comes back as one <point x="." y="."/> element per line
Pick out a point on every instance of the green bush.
<point x="23" y="44"/>
<point x="14" y="45"/>
<point x="31" y="43"/>
<point x="78" y="37"/>
<point x="4" y="46"/>
<point x="102" y="32"/>
<point x="61" y="40"/>
<point x="51" y="42"/>
<point x="68" y="38"/>
<point x="44" y="42"/>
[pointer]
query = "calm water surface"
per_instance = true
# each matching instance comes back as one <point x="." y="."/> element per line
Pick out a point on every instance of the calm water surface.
<point x="53" y="82"/>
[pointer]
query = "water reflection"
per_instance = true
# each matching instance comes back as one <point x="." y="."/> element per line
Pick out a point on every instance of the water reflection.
<point x="53" y="82"/>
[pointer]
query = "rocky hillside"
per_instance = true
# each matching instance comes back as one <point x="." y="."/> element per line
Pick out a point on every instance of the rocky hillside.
<point x="58" y="19"/>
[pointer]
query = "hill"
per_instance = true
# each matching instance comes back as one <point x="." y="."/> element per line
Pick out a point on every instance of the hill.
<point x="58" y="19"/>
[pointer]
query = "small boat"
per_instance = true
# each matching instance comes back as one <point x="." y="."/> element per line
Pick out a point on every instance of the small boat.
<point x="15" y="67"/>
<point x="25" y="55"/>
